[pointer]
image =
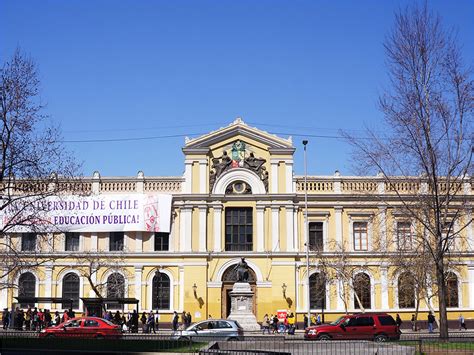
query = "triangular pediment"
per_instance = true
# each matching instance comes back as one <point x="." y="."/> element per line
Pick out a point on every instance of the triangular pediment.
<point x="239" y="128"/>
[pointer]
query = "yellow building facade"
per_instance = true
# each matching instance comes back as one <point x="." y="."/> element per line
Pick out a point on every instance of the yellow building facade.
<point x="239" y="197"/>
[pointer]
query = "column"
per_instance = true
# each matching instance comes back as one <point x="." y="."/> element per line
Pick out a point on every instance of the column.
<point x="48" y="283"/>
<point x="185" y="229"/>
<point x="340" y="295"/>
<point x="138" y="285"/>
<point x="384" y="287"/>
<point x="202" y="227"/>
<point x="172" y="234"/>
<point x="188" y="176"/>
<point x="470" y="229"/>
<point x="203" y="176"/>
<point x="138" y="241"/>
<point x="338" y="217"/>
<point x="181" y="288"/>
<point x="4" y="288"/>
<point x="289" y="176"/>
<point x="274" y="177"/>
<point x="275" y="228"/>
<point x="296" y="243"/>
<point x="260" y="228"/>
<point x="297" y="288"/>
<point x="383" y="228"/>
<point x="93" y="275"/>
<point x="470" y="271"/>
<point x="94" y="239"/>
<point x="217" y="228"/>
<point x="290" y="238"/>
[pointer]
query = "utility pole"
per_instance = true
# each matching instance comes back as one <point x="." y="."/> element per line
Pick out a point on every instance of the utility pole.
<point x="308" y="298"/>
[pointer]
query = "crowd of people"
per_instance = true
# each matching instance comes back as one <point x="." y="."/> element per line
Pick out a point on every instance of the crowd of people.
<point x="34" y="318"/>
<point x="186" y="320"/>
<point x="272" y="324"/>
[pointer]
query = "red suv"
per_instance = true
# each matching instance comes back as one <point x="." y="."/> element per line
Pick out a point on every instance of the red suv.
<point x="363" y="326"/>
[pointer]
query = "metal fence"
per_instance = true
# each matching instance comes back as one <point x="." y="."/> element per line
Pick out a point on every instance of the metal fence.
<point x="30" y="342"/>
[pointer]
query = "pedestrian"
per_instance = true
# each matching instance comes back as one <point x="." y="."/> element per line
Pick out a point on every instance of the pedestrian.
<point x="313" y="319"/>
<point x="285" y="324"/>
<point x="57" y="318"/>
<point x="157" y="321"/>
<point x="47" y="318"/>
<point x="291" y="324"/>
<point x="265" y="324"/>
<point x="398" y="320"/>
<point x="28" y="319"/>
<point x="189" y="319"/>
<point x="150" y="323"/>
<point x="134" y="321"/>
<point x="65" y="317"/>
<point x="6" y="318"/>
<point x="431" y="320"/>
<point x="275" y="324"/>
<point x="117" y="318"/>
<point x="175" y="321"/>
<point x="318" y="319"/>
<point x="143" y="319"/>
<point x="305" y="321"/>
<point x="462" y="322"/>
<point x="413" y="323"/>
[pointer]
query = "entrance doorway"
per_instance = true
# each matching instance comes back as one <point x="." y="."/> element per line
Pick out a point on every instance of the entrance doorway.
<point x="228" y="280"/>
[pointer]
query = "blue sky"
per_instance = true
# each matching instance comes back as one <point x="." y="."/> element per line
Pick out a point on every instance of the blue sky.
<point x="139" y="69"/>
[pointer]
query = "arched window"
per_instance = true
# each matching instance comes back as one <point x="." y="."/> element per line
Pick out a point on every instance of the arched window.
<point x="452" y="296"/>
<point x="115" y="289"/>
<point x="361" y="284"/>
<point x="160" y="291"/>
<point x="71" y="288"/>
<point x="27" y="288"/>
<point x="317" y="291"/>
<point x="406" y="291"/>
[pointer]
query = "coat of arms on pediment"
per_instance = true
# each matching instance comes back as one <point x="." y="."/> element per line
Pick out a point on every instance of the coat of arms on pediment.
<point x="237" y="157"/>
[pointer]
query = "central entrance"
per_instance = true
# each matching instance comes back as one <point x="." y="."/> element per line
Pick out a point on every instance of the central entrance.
<point x="228" y="279"/>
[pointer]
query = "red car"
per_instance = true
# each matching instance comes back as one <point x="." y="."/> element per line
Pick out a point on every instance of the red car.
<point x="364" y="326"/>
<point x="87" y="327"/>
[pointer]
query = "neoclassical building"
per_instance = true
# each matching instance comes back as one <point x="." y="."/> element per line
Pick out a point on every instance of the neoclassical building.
<point x="239" y="197"/>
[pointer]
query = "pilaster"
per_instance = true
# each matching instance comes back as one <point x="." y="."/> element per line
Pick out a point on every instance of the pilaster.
<point x="260" y="227"/>
<point x="275" y="228"/>
<point x="290" y="238"/>
<point x="202" y="228"/>
<point x="185" y="229"/>
<point x="384" y="287"/>
<point x="138" y="284"/>
<point x="274" y="176"/>
<point x="338" y="218"/>
<point x="217" y="227"/>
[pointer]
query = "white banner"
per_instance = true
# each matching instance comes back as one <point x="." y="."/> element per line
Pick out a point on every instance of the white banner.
<point x="100" y="213"/>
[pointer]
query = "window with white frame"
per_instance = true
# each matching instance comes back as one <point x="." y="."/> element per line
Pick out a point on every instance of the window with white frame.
<point x="316" y="235"/>
<point x="360" y="236"/>
<point x="404" y="236"/>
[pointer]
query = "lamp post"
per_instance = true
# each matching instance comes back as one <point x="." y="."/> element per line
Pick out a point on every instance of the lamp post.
<point x="308" y="298"/>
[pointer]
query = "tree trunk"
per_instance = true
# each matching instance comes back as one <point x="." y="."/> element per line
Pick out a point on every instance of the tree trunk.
<point x="443" y="315"/>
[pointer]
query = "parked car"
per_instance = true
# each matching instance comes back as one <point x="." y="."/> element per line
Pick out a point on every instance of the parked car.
<point x="86" y="327"/>
<point x="215" y="328"/>
<point x="363" y="326"/>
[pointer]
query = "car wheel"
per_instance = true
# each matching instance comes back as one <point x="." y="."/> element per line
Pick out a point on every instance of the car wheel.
<point x="324" y="337"/>
<point x="50" y="336"/>
<point x="183" y="339"/>
<point x="380" y="338"/>
<point x="99" y="336"/>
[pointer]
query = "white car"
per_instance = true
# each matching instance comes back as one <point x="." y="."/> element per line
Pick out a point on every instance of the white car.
<point x="223" y="329"/>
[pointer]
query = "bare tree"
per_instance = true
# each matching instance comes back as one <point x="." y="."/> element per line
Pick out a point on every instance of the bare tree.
<point x="428" y="136"/>
<point x="34" y="166"/>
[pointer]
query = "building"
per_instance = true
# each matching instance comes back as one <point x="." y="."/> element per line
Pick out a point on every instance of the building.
<point x="239" y="197"/>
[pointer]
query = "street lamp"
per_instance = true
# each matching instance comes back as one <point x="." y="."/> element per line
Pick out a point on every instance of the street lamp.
<point x="308" y="299"/>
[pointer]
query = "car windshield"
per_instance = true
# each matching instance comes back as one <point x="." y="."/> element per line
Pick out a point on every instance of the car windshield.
<point x="107" y="322"/>
<point x="337" y="321"/>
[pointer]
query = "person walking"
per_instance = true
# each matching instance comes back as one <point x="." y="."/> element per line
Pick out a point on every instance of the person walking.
<point x="57" y="318"/>
<point x="175" y="321"/>
<point x="398" y="320"/>
<point x="413" y="323"/>
<point x="431" y="320"/>
<point x="6" y="318"/>
<point x="462" y="322"/>
<point x="143" y="319"/>
<point x="305" y="321"/>
<point x="265" y="324"/>
<point x="318" y="319"/>
<point x="150" y="323"/>
<point x="291" y="324"/>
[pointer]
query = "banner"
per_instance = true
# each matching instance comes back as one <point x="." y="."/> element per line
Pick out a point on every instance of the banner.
<point x="98" y="213"/>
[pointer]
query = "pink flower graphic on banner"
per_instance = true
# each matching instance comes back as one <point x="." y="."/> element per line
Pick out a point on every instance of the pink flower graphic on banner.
<point x="152" y="218"/>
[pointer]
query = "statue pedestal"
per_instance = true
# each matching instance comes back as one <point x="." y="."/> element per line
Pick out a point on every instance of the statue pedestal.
<point x="241" y="306"/>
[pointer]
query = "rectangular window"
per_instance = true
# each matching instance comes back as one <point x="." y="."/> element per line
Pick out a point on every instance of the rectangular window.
<point x="360" y="236"/>
<point x="316" y="235"/>
<point x="72" y="241"/>
<point x="116" y="241"/>
<point x="28" y="242"/>
<point x="239" y="229"/>
<point x="162" y="241"/>
<point x="405" y="240"/>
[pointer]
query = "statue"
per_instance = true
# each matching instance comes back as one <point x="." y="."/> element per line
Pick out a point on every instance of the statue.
<point x="254" y="164"/>
<point x="222" y="165"/>
<point x="242" y="269"/>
